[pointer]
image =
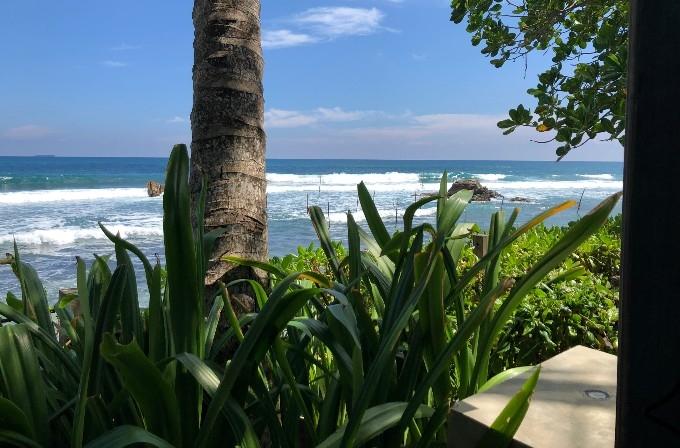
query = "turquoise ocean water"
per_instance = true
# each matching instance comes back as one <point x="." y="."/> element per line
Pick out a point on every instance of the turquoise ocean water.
<point x="51" y="205"/>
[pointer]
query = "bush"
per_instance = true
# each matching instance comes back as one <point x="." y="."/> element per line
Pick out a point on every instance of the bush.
<point x="555" y="316"/>
<point x="370" y="349"/>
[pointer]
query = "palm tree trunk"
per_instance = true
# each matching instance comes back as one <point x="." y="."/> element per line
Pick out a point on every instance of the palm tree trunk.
<point x="227" y="124"/>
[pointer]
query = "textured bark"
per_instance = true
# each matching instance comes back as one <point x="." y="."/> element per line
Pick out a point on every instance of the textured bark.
<point x="227" y="124"/>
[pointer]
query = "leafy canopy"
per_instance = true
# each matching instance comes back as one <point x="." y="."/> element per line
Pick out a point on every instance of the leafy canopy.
<point x="582" y="94"/>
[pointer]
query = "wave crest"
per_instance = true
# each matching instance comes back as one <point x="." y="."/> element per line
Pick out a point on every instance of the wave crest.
<point x="93" y="194"/>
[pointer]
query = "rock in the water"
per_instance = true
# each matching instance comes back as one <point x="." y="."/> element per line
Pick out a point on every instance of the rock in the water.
<point x="480" y="192"/>
<point x="154" y="189"/>
<point x="520" y="199"/>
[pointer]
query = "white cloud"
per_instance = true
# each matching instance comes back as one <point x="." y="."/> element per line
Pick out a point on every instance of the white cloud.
<point x="125" y="47"/>
<point x="285" y="38"/>
<point x="337" y="114"/>
<point x="419" y="127"/>
<point x="114" y="64"/>
<point x="176" y="119"/>
<point x="341" y="21"/>
<point x="281" y="118"/>
<point x="324" y="24"/>
<point x="449" y="122"/>
<point x="27" y="132"/>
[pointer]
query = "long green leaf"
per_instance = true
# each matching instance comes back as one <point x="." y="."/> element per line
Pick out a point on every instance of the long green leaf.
<point x="148" y="387"/>
<point x="88" y="349"/>
<point x="374" y="422"/>
<point x="373" y="219"/>
<point x="34" y="297"/>
<point x="573" y="238"/>
<point x="273" y="317"/>
<point x="244" y="434"/>
<point x="504" y="427"/>
<point x="127" y="435"/>
<point x="20" y="378"/>
<point x="12" y="418"/>
<point x="185" y="300"/>
<point x="503" y="377"/>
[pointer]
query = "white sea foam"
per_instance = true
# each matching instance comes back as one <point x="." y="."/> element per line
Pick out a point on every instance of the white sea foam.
<point x="590" y="184"/>
<point x="4" y="178"/>
<point x="597" y="176"/>
<point x="62" y="236"/>
<point x="490" y="177"/>
<point x="386" y="214"/>
<point x="93" y="194"/>
<point x="383" y="182"/>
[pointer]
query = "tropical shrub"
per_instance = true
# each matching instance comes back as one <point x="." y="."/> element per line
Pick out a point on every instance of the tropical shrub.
<point x="370" y="352"/>
<point x="577" y="305"/>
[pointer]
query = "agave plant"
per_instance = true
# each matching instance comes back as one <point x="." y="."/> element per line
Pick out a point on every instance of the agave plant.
<point x="371" y="352"/>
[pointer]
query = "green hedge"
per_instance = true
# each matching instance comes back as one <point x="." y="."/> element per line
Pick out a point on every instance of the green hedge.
<point x="556" y="315"/>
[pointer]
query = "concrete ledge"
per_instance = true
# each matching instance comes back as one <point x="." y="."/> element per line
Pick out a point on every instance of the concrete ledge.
<point x="574" y="405"/>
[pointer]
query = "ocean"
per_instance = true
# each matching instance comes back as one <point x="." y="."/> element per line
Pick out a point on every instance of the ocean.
<point x="51" y="205"/>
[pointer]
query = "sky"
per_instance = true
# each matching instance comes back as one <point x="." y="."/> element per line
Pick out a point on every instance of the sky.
<point x="366" y="79"/>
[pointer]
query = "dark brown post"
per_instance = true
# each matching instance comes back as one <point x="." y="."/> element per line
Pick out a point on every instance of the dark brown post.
<point x="648" y="401"/>
<point x="480" y="244"/>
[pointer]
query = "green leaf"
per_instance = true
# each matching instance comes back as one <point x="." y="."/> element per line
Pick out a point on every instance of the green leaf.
<point x="127" y="435"/>
<point x="274" y="316"/>
<point x="185" y="299"/>
<point x="156" y="323"/>
<point x="21" y="380"/>
<point x="243" y="431"/>
<point x="33" y="294"/>
<point x="503" y="377"/>
<point x="375" y="421"/>
<point x="373" y="219"/>
<point x="503" y="429"/>
<point x="12" y="418"/>
<point x="321" y="227"/>
<point x="573" y="238"/>
<point x="88" y="349"/>
<point x="148" y="387"/>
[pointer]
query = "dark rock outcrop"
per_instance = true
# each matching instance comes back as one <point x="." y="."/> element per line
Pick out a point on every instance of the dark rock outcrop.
<point x="480" y="192"/>
<point x="154" y="189"/>
<point x="519" y="199"/>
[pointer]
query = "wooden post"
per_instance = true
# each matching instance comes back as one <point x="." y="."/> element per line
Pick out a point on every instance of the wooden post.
<point x="648" y="393"/>
<point x="480" y="243"/>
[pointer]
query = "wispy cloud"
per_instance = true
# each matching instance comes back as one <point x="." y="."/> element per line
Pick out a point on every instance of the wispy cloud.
<point x="125" y="47"/>
<point x="114" y="64"/>
<point x="176" y="119"/>
<point x="323" y="24"/>
<point x="281" y="118"/>
<point x="285" y="38"/>
<point x="341" y="21"/>
<point x="27" y="132"/>
<point x="422" y="126"/>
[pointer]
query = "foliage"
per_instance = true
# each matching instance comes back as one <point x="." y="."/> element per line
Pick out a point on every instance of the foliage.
<point x="370" y="352"/>
<point x="583" y="92"/>
<point x="581" y="309"/>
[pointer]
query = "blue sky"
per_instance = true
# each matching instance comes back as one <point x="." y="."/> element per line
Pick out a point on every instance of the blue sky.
<point x="385" y="79"/>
